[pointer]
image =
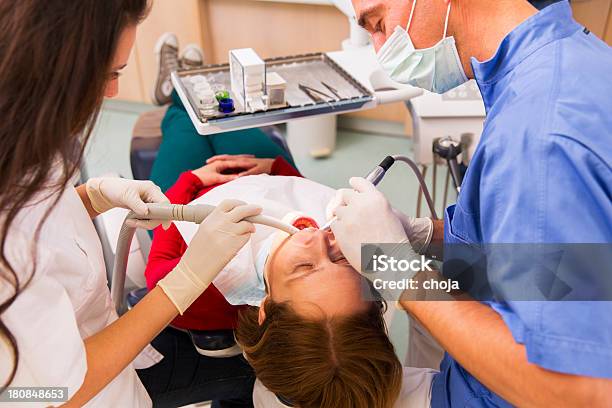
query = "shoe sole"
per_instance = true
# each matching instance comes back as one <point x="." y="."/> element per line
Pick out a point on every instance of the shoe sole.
<point x="195" y="47"/>
<point x="158" y="46"/>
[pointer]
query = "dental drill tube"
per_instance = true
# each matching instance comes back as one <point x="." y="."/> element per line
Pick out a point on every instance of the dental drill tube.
<point x="376" y="175"/>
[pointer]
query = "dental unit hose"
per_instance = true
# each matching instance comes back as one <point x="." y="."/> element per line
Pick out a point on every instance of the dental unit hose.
<point x="174" y="212"/>
<point x="419" y="176"/>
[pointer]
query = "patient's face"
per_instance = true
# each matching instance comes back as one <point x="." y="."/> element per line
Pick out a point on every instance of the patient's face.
<point x="309" y="270"/>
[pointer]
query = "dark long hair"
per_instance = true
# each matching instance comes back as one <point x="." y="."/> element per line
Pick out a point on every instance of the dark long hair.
<point x="55" y="60"/>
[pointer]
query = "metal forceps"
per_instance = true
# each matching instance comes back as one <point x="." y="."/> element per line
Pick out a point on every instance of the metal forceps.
<point x="331" y="89"/>
<point x="314" y="93"/>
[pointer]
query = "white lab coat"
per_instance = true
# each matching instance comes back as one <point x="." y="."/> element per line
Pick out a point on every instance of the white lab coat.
<point x="415" y="393"/>
<point x="67" y="301"/>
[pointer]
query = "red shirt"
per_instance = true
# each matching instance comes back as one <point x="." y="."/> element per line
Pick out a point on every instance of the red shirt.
<point x="210" y="311"/>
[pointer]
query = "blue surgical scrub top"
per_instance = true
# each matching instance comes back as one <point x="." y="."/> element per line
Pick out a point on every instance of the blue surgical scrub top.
<point x="540" y="174"/>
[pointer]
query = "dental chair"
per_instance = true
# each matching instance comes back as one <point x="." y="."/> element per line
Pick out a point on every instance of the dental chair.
<point x="146" y="139"/>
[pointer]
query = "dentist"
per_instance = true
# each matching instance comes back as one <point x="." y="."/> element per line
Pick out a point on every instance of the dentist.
<point x="58" y="327"/>
<point x="541" y="174"/>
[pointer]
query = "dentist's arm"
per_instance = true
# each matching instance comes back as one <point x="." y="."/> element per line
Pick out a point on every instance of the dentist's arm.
<point x="495" y="359"/>
<point x="217" y="241"/>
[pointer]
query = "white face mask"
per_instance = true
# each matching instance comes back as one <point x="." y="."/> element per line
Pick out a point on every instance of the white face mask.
<point x="437" y="69"/>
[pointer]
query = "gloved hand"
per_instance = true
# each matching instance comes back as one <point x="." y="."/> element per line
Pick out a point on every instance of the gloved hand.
<point x="110" y="192"/>
<point x="364" y="216"/>
<point x="219" y="238"/>
<point x="418" y="230"/>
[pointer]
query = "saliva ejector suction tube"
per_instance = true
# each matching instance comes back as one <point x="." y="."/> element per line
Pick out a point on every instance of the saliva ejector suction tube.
<point x="195" y="213"/>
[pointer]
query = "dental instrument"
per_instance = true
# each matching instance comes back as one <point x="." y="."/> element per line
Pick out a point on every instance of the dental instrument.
<point x="195" y="213"/>
<point x="314" y="94"/>
<point x="375" y="176"/>
<point x="331" y="89"/>
<point x="378" y="173"/>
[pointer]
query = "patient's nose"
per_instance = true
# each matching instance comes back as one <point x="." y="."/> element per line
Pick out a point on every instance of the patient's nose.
<point x="331" y="240"/>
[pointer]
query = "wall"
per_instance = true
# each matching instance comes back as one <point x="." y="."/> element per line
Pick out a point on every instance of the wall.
<point x="596" y="15"/>
<point x="273" y="28"/>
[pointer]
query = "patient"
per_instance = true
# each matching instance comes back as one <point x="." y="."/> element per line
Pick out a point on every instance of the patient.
<point x="313" y="341"/>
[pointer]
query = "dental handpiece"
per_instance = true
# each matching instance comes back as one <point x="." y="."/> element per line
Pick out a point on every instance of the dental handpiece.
<point x="375" y="176"/>
<point x="197" y="213"/>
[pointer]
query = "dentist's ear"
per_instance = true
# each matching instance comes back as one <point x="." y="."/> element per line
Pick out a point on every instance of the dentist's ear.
<point x="262" y="312"/>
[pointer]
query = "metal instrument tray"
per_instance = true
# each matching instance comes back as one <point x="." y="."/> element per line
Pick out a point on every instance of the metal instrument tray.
<point x="309" y="70"/>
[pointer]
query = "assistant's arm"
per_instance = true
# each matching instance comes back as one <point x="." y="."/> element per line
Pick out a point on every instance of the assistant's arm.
<point x="219" y="237"/>
<point x="101" y="194"/>
<point x="499" y="362"/>
<point x="112" y="349"/>
<point x="82" y="192"/>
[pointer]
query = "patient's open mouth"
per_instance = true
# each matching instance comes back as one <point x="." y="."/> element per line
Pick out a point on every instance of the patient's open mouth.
<point x="303" y="222"/>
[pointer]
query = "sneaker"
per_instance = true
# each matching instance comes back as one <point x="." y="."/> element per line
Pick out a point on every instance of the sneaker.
<point x="166" y="50"/>
<point x="192" y="57"/>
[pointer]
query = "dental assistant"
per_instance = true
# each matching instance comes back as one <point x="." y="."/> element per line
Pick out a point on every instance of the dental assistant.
<point x="540" y="174"/>
<point x="58" y="326"/>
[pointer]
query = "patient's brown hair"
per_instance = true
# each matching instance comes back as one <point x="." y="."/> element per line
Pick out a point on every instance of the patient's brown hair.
<point x="323" y="363"/>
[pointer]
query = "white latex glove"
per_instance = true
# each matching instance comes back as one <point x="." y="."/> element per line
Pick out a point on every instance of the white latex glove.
<point x="364" y="216"/>
<point x="418" y="230"/>
<point x="110" y="192"/>
<point x="218" y="240"/>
